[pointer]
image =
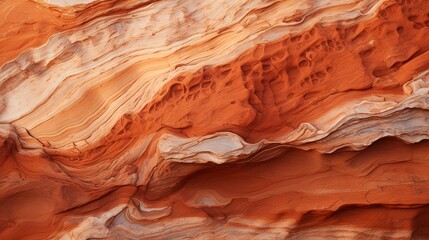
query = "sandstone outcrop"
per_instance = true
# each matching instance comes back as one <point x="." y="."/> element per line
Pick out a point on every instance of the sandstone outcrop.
<point x="131" y="119"/>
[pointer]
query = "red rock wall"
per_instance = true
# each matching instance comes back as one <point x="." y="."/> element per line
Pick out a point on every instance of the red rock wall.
<point x="214" y="119"/>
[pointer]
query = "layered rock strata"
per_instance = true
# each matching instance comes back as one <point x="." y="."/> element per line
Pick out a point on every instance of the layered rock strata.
<point x="214" y="119"/>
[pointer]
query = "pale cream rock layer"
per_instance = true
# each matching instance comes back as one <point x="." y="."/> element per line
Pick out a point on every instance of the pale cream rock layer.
<point x="67" y="3"/>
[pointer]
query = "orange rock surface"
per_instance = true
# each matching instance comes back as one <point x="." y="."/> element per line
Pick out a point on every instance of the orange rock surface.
<point x="130" y="119"/>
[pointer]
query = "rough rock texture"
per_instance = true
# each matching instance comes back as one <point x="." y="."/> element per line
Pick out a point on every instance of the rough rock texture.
<point x="244" y="119"/>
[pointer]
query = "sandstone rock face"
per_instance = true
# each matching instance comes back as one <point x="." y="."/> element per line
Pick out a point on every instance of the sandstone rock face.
<point x="217" y="119"/>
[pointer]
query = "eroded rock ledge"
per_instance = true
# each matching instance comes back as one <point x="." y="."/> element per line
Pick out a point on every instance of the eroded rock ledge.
<point x="214" y="119"/>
